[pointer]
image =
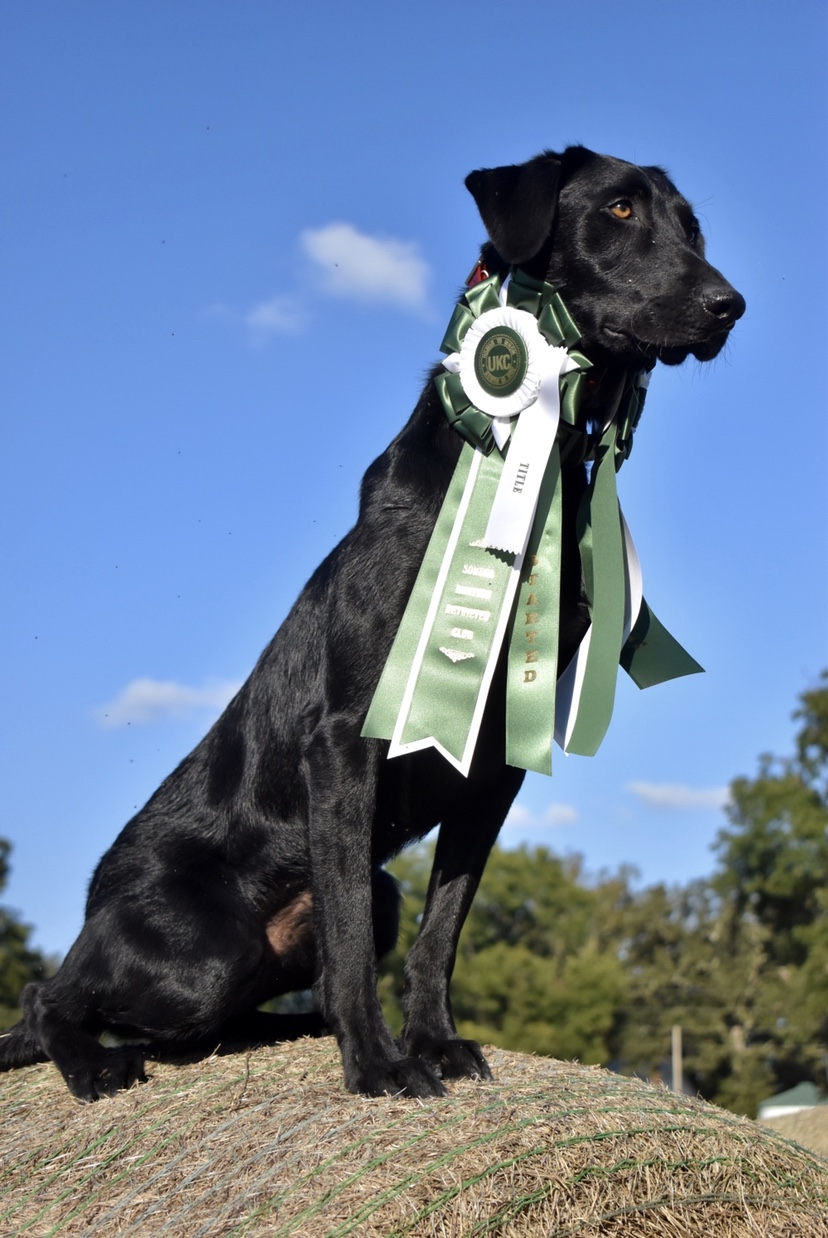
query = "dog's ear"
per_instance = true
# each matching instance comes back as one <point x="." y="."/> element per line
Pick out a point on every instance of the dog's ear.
<point x="517" y="204"/>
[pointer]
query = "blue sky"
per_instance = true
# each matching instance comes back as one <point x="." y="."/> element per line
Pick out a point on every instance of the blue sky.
<point x="233" y="237"/>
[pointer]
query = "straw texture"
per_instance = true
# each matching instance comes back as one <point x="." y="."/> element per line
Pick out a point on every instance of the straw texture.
<point x="269" y="1144"/>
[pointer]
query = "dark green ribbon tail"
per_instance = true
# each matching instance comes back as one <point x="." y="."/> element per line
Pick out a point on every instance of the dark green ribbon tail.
<point x="651" y="655"/>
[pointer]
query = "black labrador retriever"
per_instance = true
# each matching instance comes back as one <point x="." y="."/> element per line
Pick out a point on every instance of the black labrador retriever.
<point x="256" y="868"/>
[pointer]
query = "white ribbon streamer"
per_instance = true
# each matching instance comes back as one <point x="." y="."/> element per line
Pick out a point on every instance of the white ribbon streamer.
<point x="531" y="444"/>
<point x="530" y="414"/>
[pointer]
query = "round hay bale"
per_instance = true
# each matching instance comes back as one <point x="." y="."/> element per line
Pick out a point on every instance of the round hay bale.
<point x="269" y="1144"/>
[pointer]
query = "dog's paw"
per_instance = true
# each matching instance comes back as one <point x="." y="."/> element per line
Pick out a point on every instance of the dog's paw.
<point x="114" y="1071"/>
<point x="454" y="1058"/>
<point x="406" y="1076"/>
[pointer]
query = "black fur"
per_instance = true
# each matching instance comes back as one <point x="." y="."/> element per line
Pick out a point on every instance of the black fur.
<point x="256" y="868"/>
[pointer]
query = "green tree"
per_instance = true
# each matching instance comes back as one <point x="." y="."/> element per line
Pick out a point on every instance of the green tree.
<point x="550" y="963"/>
<point x="563" y="1007"/>
<point x="688" y="964"/>
<point x="741" y="961"/>
<point x="772" y="879"/>
<point x="774" y="857"/>
<point x="533" y="969"/>
<point x="19" y="963"/>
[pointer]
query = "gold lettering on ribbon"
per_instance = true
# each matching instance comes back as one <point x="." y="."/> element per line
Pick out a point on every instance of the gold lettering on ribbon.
<point x="532" y="620"/>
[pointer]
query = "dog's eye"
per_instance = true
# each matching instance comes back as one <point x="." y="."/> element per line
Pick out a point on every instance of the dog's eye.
<point x="622" y="209"/>
<point x="693" y="234"/>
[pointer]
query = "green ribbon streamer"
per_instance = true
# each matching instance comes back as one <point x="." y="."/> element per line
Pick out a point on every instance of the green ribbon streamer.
<point x="533" y="647"/>
<point x="464" y="629"/>
<point x="602" y="561"/>
<point x="441" y="703"/>
<point x="387" y="702"/>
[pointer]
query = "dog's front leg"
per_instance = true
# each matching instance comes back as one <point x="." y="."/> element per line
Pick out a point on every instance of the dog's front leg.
<point x="463" y="846"/>
<point x="341" y="772"/>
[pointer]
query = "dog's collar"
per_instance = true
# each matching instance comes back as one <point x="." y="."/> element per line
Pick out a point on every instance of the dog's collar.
<point x="478" y="273"/>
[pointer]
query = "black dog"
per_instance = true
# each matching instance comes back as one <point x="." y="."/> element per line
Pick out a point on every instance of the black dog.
<point x="255" y="869"/>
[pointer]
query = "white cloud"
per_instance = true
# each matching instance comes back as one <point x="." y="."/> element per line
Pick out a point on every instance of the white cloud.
<point x="522" y="818"/>
<point x="677" y="796"/>
<point x="345" y="263"/>
<point x="518" y="817"/>
<point x="367" y="268"/>
<point x="146" y="701"/>
<point x="560" y="814"/>
<point x="280" y="315"/>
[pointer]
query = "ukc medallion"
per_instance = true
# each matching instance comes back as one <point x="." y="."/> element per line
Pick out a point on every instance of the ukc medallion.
<point x="500" y="361"/>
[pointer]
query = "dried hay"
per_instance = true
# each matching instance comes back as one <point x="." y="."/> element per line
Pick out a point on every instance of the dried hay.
<point x="269" y="1144"/>
<point x="808" y="1127"/>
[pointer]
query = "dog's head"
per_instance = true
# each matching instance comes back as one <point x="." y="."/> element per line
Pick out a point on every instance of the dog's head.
<point x="621" y="246"/>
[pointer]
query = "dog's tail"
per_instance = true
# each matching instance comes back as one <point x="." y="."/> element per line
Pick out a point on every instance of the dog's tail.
<point x="19" y="1047"/>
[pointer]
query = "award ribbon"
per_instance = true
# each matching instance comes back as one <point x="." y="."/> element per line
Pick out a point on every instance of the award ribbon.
<point x="512" y="386"/>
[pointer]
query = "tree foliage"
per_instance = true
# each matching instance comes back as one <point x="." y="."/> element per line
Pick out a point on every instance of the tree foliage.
<point x="552" y="963"/>
<point x="773" y="859"/>
<point x="771" y="882"/>
<point x="19" y="963"/>
<point x="534" y="972"/>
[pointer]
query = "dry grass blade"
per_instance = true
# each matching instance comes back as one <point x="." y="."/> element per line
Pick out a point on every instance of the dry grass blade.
<point x="269" y="1144"/>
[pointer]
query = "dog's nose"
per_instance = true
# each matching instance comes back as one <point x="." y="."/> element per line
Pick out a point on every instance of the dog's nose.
<point x="723" y="302"/>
